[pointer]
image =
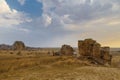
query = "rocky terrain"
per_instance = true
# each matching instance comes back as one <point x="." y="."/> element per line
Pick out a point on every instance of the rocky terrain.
<point x="89" y="62"/>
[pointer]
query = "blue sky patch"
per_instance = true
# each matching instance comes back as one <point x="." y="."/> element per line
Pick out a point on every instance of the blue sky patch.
<point x="32" y="7"/>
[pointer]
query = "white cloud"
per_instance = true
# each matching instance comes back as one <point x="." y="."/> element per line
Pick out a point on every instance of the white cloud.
<point x="24" y="30"/>
<point x="79" y="11"/>
<point x="47" y="20"/>
<point x="22" y="2"/>
<point x="98" y="19"/>
<point x="4" y="7"/>
<point x="11" y="17"/>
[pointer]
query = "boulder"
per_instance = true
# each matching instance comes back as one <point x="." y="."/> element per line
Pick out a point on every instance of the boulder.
<point x="66" y="50"/>
<point x="18" y="45"/>
<point x="56" y="54"/>
<point x="105" y="54"/>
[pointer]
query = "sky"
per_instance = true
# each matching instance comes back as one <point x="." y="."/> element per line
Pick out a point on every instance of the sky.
<point x="52" y="23"/>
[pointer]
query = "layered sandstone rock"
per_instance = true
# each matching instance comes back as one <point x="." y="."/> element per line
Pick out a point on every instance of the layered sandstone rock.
<point x="96" y="50"/>
<point x="18" y="45"/>
<point x="90" y="48"/>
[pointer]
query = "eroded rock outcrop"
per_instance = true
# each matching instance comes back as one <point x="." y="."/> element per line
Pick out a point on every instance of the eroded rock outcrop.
<point x="105" y="54"/>
<point x="90" y="48"/>
<point x="66" y="50"/>
<point x="18" y="45"/>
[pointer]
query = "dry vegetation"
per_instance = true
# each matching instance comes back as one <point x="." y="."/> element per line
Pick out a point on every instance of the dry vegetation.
<point x="38" y="65"/>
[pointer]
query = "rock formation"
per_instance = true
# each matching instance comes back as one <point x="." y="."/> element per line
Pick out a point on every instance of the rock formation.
<point x="18" y="45"/>
<point x="66" y="50"/>
<point x="105" y="54"/>
<point x="90" y="48"/>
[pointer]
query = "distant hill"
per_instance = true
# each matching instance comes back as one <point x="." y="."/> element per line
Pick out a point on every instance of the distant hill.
<point x="5" y="47"/>
<point x="114" y="49"/>
<point x="10" y="47"/>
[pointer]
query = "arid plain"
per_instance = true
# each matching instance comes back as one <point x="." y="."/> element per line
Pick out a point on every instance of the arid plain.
<point x="39" y="65"/>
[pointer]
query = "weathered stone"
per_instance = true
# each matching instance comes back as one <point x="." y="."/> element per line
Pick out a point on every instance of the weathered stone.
<point x="66" y="50"/>
<point x="80" y="47"/>
<point x="18" y="45"/>
<point x="105" y="54"/>
<point x="90" y="48"/>
<point x="86" y="47"/>
<point x="89" y="44"/>
<point x="96" y="50"/>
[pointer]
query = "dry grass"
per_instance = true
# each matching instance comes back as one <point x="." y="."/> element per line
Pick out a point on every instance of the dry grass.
<point x="36" y="65"/>
<point x="116" y="62"/>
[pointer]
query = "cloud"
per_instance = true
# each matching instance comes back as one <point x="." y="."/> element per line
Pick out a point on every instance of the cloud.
<point x="98" y="19"/>
<point x="63" y="22"/>
<point x="47" y="20"/>
<point x="4" y="7"/>
<point x="78" y="11"/>
<point x="24" y="30"/>
<point x="11" y="17"/>
<point x="22" y="2"/>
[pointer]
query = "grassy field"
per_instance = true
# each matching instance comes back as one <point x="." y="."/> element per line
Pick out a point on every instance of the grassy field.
<point x="38" y="65"/>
